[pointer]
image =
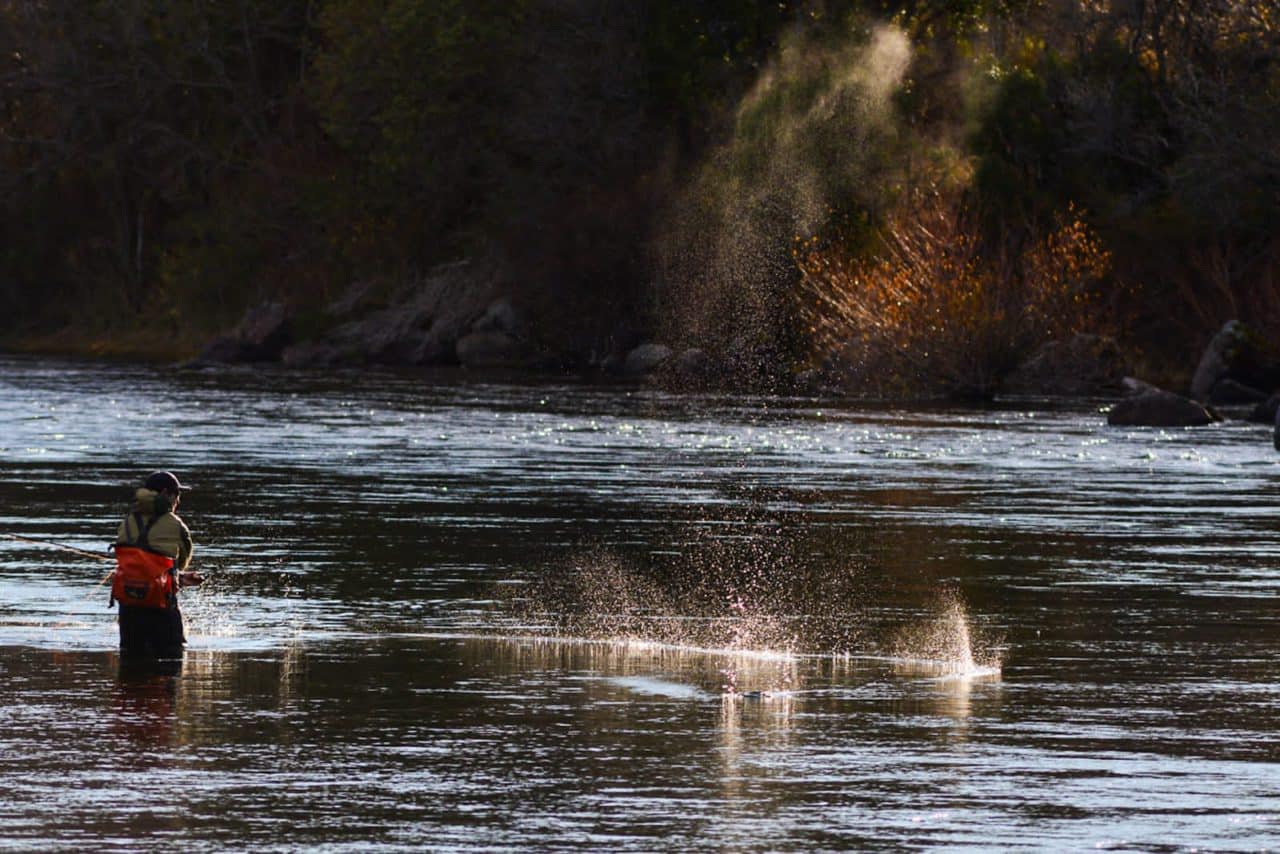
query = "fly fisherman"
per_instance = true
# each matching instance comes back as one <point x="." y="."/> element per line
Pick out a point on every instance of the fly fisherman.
<point x="153" y="550"/>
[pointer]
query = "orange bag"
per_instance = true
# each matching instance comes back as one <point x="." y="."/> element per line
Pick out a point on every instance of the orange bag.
<point x="143" y="579"/>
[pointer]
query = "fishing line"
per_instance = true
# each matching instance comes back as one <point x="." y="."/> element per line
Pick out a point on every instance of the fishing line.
<point x="50" y="545"/>
<point x="72" y="549"/>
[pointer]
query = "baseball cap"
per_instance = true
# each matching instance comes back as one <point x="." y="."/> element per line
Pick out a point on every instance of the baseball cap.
<point x="164" y="481"/>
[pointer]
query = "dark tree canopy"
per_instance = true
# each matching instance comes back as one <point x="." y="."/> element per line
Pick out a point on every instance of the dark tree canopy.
<point x="180" y="160"/>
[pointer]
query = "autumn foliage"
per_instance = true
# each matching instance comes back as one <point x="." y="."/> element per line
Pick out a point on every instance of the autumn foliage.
<point x="938" y="309"/>
<point x="637" y="171"/>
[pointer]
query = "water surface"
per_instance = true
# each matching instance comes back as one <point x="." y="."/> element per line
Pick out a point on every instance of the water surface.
<point x="446" y="613"/>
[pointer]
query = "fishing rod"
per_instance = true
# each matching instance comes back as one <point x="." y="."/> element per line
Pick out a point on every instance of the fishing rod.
<point x="72" y="549"/>
<point x="192" y="579"/>
<point x="50" y="545"/>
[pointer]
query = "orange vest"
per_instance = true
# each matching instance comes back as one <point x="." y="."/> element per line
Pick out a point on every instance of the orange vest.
<point x="143" y="578"/>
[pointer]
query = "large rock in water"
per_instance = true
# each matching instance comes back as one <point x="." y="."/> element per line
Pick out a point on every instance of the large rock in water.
<point x="1228" y="392"/>
<point x="1237" y="367"/>
<point x="1158" y="408"/>
<point x="646" y="359"/>
<point x="261" y="336"/>
<point x="1080" y="365"/>
<point x="1265" y="412"/>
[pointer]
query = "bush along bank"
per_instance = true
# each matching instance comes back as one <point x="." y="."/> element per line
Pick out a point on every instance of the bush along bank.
<point x="649" y="169"/>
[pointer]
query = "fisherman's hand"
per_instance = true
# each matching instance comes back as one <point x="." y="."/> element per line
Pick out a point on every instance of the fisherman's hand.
<point x="191" y="579"/>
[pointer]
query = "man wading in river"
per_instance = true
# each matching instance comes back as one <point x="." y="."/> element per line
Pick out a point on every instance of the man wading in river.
<point x="153" y="550"/>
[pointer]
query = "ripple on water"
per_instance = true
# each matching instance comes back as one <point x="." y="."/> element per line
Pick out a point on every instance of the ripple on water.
<point x="357" y="677"/>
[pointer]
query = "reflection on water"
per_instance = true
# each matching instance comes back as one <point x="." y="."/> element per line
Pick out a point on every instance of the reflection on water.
<point x="457" y="615"/>
<point x="146" y="702"/>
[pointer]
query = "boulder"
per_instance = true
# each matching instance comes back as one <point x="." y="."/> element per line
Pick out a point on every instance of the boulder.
<point x="646" y="359"/>
<point x="261" y="336"/>
<point x="1235" y="353"/>
<point x="1159" y="409"/>
<point x="1215" y="361"/>
<point x="691" y="369"/>
<point x="500" y="316"/>
<point x="693" y="365"/>
<point x="490" y="349"/>
<point x="1078" y="366"/>
<point x="1133" y="386"/>
<point x="422" y="326"/>
<point x="1229" y="392"/>
<point x="1265" y="412"/>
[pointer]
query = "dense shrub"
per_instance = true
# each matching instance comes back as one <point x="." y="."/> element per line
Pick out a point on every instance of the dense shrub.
<point x="938" y="309"/>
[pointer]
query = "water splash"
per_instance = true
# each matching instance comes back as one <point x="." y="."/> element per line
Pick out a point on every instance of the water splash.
<point x="772" y="591"/>
<point x="943" y="646"/>
<point x="769" y="590"/>
<point x="811" y="135"/>
<point x="747" y="684"/>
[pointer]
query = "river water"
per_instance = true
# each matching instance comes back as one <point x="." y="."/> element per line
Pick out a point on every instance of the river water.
<point x="452" y="614"/>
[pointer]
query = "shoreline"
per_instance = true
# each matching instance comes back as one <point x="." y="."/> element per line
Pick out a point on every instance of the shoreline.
<point x="140" y="348"/>
<point x="72" y="343"/>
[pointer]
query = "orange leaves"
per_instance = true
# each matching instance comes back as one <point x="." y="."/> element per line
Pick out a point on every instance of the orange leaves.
<point x="938" y="307"/>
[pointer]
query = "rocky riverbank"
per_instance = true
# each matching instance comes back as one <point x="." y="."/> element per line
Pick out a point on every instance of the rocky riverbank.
<point x="1237" y="375"/>
<point x="462" y="315"/>
<point x="459" y="316"/>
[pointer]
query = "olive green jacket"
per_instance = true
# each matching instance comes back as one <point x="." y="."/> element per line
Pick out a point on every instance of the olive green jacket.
<point x="168" y="534"/>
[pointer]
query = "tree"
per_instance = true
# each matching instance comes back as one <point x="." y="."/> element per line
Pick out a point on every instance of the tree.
<point x="121" y="116"/>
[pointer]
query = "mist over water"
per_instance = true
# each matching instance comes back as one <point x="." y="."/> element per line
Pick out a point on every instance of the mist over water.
<point x="450" y="614"/>
<point x="807" y="140"/>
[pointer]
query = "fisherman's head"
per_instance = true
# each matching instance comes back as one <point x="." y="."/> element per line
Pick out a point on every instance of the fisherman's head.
<point x="166" y="483"/>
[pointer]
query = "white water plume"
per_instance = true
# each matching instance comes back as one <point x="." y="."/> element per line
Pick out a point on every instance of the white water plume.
<point x="809" y="138"/>
<point x="943" y="645"/>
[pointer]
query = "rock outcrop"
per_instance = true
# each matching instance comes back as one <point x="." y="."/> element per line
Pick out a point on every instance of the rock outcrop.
<point x="646" y="359"/>
<point x="494" y="340"/>
<point x="1265" y="411"/>
<point x="1079" y="366"/>
<point x="1157" y="408"/>
<point x="1133" y="386"/>
<point x="1236" y="367"/>
<point x="261" y="336"/>
<point x="423" y="326"/>
<point x="491" y="349"/>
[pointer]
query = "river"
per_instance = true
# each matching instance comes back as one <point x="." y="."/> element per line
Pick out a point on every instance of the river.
<point x="445" y="613"/>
